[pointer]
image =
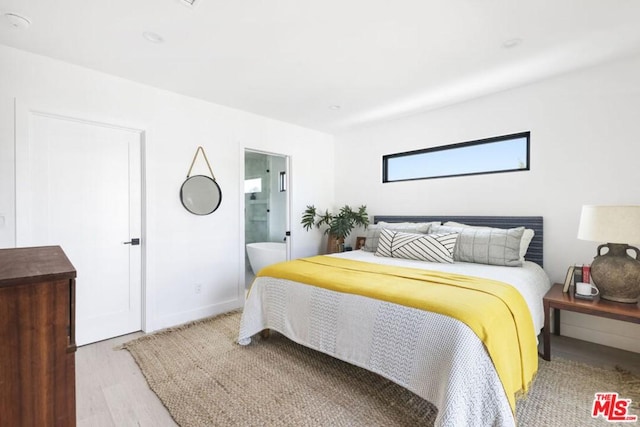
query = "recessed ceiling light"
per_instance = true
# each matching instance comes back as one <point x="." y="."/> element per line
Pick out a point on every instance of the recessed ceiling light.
<point x="17" y="21"/>
<point x="334" y="107"/>
<point x="508" y="44"/>
<point x="152" y="37"/>
<point x="190" y="3"/>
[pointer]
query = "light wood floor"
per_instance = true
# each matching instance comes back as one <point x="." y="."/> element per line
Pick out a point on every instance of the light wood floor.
<point x="111" y="390"/>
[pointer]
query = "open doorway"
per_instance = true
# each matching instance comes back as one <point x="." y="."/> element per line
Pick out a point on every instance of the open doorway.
<point x="266" y="211"/>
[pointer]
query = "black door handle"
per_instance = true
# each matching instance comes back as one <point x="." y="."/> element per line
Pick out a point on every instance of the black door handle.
<point x="133" y="242"/>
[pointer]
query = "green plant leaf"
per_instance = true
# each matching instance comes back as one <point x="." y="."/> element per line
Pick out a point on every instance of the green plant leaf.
<point x="340" y="224"/>
<point x="309" y="217"/>
<point x="325" y="219"/>
<point x="361" y="218"/>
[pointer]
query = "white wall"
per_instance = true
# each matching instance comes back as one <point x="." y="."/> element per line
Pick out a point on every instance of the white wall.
<point x="585" y="149"/>
<point x="181" y="249"/>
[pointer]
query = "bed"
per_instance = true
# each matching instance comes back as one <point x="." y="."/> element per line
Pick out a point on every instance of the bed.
<point x="438" y="357"/>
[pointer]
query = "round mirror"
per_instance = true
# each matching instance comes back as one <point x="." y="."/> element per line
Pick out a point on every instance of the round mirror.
<point x="200" y="195"/>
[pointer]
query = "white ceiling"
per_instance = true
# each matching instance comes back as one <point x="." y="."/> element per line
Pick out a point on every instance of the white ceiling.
<point x="293" y="59"/>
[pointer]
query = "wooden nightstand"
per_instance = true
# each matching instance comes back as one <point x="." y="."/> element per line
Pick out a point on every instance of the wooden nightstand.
<point x="557" y="300"/>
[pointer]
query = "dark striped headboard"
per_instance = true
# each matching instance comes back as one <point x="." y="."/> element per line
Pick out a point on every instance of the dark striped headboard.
<point x="534" y="253"/>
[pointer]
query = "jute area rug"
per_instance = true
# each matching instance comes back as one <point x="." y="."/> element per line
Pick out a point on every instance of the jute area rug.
<point x="205" y="379"/>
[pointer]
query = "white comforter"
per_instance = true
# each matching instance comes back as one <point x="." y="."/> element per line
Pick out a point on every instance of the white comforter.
<point x="437" y="357"/>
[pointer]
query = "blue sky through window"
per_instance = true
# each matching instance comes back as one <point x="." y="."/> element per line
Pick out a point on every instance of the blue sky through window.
<point x="495" y="156"/>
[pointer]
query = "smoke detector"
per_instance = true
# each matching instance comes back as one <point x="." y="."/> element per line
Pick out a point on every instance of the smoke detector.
<point x="17" y="21"/>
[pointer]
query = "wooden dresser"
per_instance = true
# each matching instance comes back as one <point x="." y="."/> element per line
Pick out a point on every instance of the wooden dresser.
<point x="37" y="338"/>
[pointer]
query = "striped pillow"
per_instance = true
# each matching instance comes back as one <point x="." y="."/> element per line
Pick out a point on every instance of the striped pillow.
<point x="421" y="247"/>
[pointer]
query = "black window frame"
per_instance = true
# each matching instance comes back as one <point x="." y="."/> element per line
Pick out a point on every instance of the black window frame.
<point x="519" y="135"/>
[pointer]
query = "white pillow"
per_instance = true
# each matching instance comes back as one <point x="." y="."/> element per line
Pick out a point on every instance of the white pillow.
<point x="421" y="247"/>
<point x="527" y="236"/>
<point x="401" y="225"/>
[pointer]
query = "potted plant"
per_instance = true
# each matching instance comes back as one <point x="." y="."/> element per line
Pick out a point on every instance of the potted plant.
<point x="338" y="225"/>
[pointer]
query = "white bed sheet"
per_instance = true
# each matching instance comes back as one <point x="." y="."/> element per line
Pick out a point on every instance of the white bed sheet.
<point x="437" y="357"/>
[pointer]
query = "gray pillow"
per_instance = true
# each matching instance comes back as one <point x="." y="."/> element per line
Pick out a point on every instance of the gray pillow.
<point x="373" y="231"/>
<point x="494" y="246"/>
<point x="527" y="236"/>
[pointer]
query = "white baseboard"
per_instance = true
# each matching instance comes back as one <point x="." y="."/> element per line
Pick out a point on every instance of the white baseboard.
<point x="196" y="314"/>
<point x="612" y="333"/>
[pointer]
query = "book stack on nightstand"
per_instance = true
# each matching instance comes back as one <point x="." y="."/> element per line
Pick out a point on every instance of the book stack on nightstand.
<point x="576" y="274"/>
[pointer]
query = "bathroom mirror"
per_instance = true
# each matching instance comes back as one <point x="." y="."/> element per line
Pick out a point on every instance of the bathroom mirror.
<point x="200" y="195"/>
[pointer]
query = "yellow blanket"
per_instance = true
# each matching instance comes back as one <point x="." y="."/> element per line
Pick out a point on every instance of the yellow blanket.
<point x="495" y="311"/>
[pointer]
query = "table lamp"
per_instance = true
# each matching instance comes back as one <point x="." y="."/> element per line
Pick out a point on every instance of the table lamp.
<point x="615" y="273"/>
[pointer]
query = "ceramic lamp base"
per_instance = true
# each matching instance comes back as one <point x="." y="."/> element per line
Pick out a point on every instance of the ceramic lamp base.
<point x="616" y="274"/>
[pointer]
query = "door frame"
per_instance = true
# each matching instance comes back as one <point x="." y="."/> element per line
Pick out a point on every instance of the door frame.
<point x="22" y="110"/>
<point x="242" y="265"/>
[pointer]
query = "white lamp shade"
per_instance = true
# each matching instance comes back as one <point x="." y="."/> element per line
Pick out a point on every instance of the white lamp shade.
<point x="610" y="224"/>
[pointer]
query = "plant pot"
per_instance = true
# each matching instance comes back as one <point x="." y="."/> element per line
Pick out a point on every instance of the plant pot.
<point x="334" y="244"/>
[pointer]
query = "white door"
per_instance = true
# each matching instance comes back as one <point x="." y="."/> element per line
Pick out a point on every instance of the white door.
<point x="78" y="185"/>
